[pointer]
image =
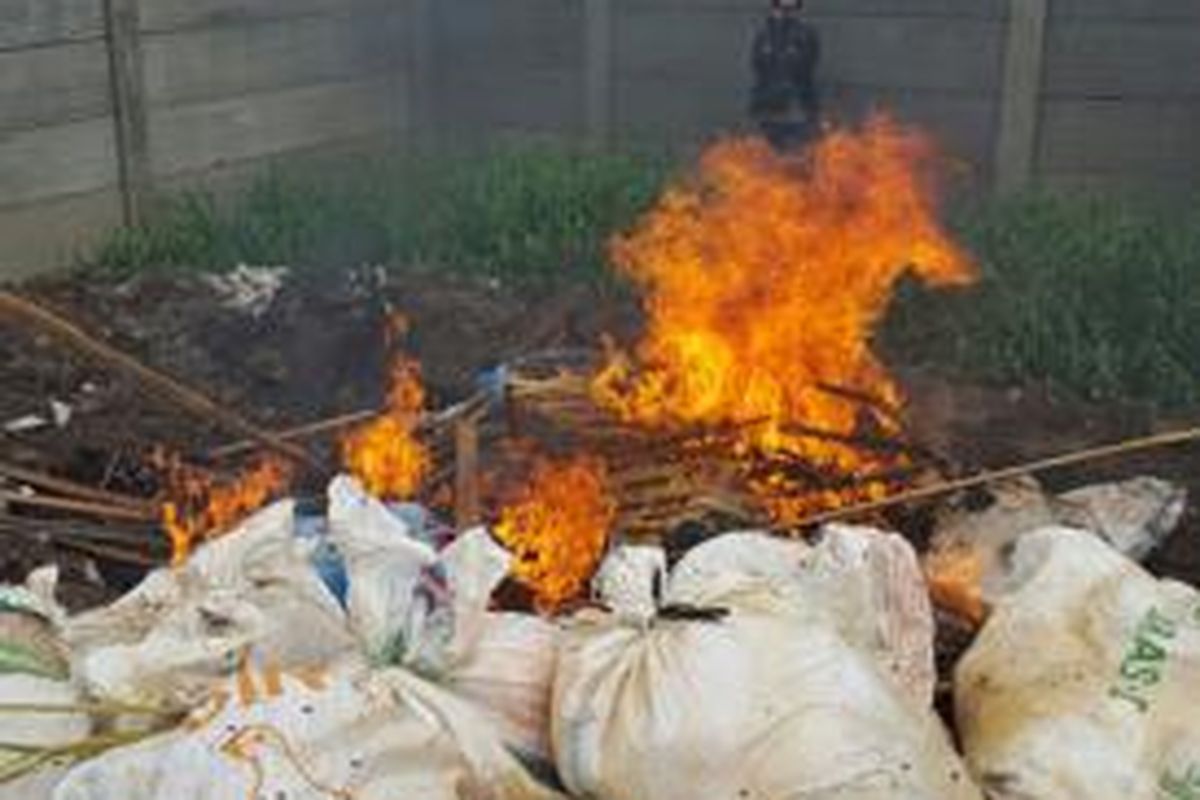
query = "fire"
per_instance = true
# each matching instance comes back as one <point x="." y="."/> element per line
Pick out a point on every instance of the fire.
<point x="955" y="578"/>
<point x="385" y="454"/>
<point x="202" y="508"/>
<point x="558" y="527"/>
<point x="764" y="280"/>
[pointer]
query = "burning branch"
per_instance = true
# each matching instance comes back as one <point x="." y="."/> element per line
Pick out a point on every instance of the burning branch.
<point x="384" y="453"/>
<point x="558" y="527"/>
<point x="200" y="506"/>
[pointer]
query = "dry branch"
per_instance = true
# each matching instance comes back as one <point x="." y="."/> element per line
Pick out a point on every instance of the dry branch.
<point x="71" y="488"/>
<point x="88" y="507"/>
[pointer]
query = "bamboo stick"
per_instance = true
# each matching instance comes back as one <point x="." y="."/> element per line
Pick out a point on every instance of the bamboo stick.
<point x="429" y="423"/>
<point x="1076" y="458"/>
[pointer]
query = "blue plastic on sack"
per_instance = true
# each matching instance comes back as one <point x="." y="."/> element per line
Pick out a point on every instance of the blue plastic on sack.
<point x="326" y="560"/>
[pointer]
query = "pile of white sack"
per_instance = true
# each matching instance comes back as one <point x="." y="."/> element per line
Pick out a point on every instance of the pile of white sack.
<point x="753" y="669"/>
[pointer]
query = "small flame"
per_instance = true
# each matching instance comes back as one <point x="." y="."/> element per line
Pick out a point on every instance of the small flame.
<point x="558" y="527"/>
<point x="385" y="454"/>
<point x="201" y="507"/>
<point x="955" y="577"/>
<point x="764" y="281"/>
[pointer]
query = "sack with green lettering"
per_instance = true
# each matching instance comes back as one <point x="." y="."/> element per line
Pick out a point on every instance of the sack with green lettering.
<point x="1085" y="681"/>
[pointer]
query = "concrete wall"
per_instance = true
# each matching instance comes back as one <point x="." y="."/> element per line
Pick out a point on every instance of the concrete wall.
<point x="223" y="86"/>
<point x="1079" y="91"/>
<point x="57" y="154"/>
<point x="1121" y="97"/>
<point x="1103" y="92"/>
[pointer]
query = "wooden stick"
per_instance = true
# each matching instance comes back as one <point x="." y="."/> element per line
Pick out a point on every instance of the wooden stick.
<point x="16" y="307"/>
<point x="88" y="507"/>
<point x="306" y="431"/>
<point x="428" y="422"/>
<point x="1128" y="447"/>
<point x="876" y="404"/>
<point x="68" y="487"/>
<point x="466" y="472"/>
<point x="109" y="553"/>
<point x="56" y="529"/>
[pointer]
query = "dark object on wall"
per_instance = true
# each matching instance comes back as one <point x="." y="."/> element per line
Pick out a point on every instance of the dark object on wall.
<point x="783" y="101"/>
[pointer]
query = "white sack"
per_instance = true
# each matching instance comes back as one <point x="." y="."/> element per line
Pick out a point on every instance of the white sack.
<point x="36" y="730"/>
<point x="429" y="612"/>
<point x="388" y="735"/>
<point x="806" y="689"/>
<point x="1085" y="682"/>
<point x="34" y="672"/>
<point x="251" y="593"/>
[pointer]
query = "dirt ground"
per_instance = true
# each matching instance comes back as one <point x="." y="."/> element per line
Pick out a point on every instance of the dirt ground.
<point x="318" y="349"/>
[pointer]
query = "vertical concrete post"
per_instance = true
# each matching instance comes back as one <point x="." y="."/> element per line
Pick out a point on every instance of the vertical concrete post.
<point x="598" y="71"/>
<point x="1020" y="101"/>
<point x="127" y="88"/>
<point x="422" y="99"/>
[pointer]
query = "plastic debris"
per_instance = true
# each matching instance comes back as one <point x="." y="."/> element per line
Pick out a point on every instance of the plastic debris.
<point x="26" y="423"/>
<point x="250" y="290"/>
<point x="61" y="413"/>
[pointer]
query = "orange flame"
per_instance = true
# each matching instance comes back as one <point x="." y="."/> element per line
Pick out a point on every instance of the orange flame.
<point x="384" y="454"/>
<point x="557" y="528"/>
<point x="955" y="578"/>
<point x="202" y="508"/>
<point x="764" y="281"/>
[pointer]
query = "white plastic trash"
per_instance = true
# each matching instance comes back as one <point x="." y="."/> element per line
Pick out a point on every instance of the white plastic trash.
<point x="1083" y="684"/>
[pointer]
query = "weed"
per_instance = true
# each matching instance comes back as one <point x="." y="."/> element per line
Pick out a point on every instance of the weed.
<point x="527" y="215"/>
<point x="1089" y="294"/>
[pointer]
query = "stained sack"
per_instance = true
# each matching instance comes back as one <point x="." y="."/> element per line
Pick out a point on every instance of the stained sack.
<point x="355" y="734"/>
<point x="1083" y="683"/>
<point x="768" y="669"/>
<point x="252" y="593"/>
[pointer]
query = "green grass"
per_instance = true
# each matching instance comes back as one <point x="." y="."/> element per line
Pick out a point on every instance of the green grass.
<point x="528" y="215"/>
<point x="1096" y="297"/>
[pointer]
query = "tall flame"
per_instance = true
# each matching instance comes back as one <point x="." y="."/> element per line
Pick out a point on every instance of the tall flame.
<point x="764" y="279"/>
<point x="201" y="507"/>
<point x="385" y="453"/>
<point x="558" y="527"/>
